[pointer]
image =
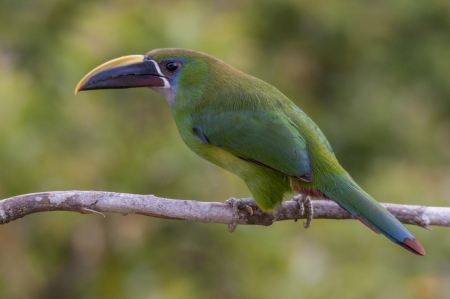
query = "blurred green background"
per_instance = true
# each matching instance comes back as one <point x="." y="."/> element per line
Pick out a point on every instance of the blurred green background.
<point x="374" y="75"/>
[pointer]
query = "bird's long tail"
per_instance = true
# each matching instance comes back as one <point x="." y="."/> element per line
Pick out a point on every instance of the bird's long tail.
<point x="352" y="198"/>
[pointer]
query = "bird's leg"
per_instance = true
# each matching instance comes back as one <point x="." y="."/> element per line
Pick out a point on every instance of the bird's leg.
<point x="306" y="208"/>
<point x="238" y="204"/>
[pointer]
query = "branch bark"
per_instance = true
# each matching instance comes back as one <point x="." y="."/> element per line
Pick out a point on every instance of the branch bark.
<point x="96" y="202"/>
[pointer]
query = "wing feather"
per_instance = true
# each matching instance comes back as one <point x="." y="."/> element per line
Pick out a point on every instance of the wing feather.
<point x="268" y="139"/>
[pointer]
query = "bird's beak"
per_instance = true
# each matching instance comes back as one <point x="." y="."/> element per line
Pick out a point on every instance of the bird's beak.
<point x="124" y="72"/>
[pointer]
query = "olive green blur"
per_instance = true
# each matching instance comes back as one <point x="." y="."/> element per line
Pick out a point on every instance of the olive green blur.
<point x="375" y="77"/>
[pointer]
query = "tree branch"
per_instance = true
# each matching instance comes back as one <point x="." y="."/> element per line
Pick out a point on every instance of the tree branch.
<point x="96" y="202"/>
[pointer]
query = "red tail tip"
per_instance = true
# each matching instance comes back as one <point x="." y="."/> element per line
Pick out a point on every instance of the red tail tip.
<point x="413" y="246"/>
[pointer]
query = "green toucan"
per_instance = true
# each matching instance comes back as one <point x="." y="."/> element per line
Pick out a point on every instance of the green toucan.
<point x="249" y="128"/>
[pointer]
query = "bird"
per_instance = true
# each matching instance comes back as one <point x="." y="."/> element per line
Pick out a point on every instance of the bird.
<point x="248" y="127"/>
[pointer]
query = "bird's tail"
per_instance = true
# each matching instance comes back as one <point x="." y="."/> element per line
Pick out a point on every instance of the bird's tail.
<point x="361" y="205"/>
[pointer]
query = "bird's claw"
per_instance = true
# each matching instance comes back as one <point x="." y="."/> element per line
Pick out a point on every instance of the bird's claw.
<point x="306" y="208"/>
<point x="238" y="204"/>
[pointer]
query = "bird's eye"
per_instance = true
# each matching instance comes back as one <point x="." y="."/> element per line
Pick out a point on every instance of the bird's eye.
<point x="172" y="66"/>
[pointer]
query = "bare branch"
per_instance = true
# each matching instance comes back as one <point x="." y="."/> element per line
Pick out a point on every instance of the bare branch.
<point x="96" y="202"/>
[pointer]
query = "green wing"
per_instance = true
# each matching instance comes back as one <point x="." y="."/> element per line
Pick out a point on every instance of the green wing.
<point x="300" y="115"/>
<point x="268" y="139"/>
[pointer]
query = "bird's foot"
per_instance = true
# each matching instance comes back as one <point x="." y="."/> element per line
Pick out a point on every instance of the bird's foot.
<point x="306" y="208"/>
<point x="239" y="204"/>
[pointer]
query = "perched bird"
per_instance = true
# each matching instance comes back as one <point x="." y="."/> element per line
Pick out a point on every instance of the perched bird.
<point x="249" y="128"/>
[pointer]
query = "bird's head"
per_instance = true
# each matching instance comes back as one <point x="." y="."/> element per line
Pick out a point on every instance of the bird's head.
<point x="167" y="71"/>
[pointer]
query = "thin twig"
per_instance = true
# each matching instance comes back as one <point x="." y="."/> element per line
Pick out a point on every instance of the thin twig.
<point x="209" y="212"/>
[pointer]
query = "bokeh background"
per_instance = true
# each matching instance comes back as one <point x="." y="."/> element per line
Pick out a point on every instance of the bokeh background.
<point x="374" y="75"/>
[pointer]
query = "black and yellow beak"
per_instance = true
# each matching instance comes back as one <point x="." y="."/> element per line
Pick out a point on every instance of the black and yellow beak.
<point x="124" y="72"/>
